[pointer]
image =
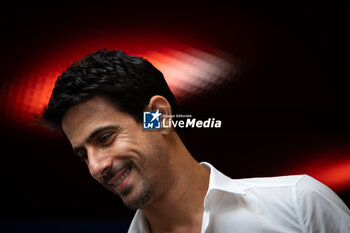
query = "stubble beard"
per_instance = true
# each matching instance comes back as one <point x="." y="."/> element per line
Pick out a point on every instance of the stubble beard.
<point x="144" y="193"/>
<point x="146" y="190"/>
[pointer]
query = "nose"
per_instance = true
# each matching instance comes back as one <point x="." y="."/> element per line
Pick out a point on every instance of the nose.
<point x="98" y="163"/>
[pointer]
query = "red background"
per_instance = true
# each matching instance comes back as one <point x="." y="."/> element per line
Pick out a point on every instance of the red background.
<point x="285" y="111"/>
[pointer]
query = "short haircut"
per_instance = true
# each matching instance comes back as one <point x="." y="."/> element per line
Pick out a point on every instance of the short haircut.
<point x="127" y="81"/>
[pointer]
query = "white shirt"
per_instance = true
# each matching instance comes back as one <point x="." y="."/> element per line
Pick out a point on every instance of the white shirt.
<point x="278" y="204"/>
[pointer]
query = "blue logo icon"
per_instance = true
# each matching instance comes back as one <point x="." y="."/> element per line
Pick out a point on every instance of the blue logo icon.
<point x="151" y="120"/>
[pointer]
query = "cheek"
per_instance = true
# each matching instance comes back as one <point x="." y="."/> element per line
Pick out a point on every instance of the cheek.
<point x="144" y="148"/>
<point x="126" y="145"/>
<point x="155" y="157"/>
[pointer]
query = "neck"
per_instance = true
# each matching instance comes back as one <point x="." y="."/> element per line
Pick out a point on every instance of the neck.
<point x="180" y="205"/>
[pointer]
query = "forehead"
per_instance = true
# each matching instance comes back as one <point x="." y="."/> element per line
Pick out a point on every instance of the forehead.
<point x="83" y="118"/>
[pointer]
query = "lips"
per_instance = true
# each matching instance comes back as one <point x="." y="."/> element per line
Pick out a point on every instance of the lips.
<point x="122" y="178"/>
<point x="118" y="178"/>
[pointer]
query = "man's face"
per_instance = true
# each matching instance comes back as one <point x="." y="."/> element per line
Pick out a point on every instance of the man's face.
<point x="125" y="159"/>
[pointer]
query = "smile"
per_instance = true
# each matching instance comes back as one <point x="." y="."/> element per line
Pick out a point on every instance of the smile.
<point x="121" y="178"/>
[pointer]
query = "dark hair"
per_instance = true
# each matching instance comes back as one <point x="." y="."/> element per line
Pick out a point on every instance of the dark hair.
<point x="128" y="81"/>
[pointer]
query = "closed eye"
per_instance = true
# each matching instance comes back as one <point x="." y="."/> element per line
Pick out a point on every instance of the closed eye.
<point x="106" y="139"/>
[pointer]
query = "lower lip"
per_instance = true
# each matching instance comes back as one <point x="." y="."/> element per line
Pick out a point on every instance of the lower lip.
<point x="123" y="184"/>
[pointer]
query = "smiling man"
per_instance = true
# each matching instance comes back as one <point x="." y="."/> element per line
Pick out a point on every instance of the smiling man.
<point x="98" y="103"/>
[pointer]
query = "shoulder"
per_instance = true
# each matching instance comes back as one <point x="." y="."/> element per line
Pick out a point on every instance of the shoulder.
<point x="270" y="182"/>
<point x="304" y="190"/>
<point x="311" y="193"/>
<point x="319" y="208"/>
<point x="316" y="207"/>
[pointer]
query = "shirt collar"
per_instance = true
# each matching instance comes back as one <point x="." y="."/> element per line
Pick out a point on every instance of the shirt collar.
<point x="219" y="181"/>
<point x="219" y="184"/>
<point x="139" y="223"/>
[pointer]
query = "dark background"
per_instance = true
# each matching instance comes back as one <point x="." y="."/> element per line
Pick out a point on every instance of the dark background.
<point x="288" y="102"/>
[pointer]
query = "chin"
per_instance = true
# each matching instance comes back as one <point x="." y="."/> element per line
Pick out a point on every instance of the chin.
<point x="139" y="201"/>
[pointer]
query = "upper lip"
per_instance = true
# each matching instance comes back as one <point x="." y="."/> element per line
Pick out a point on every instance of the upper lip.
<point x="117" y="175"/>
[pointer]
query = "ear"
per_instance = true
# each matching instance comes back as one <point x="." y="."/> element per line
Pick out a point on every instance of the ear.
<point x="160" y="103"/>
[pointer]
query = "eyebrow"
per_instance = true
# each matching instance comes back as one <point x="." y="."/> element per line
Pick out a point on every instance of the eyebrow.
<point x="94" y="133"/>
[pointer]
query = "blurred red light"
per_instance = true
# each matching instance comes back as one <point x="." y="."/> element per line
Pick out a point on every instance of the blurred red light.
<point x="188" y="71"/>
<point x="331" y="168"/>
